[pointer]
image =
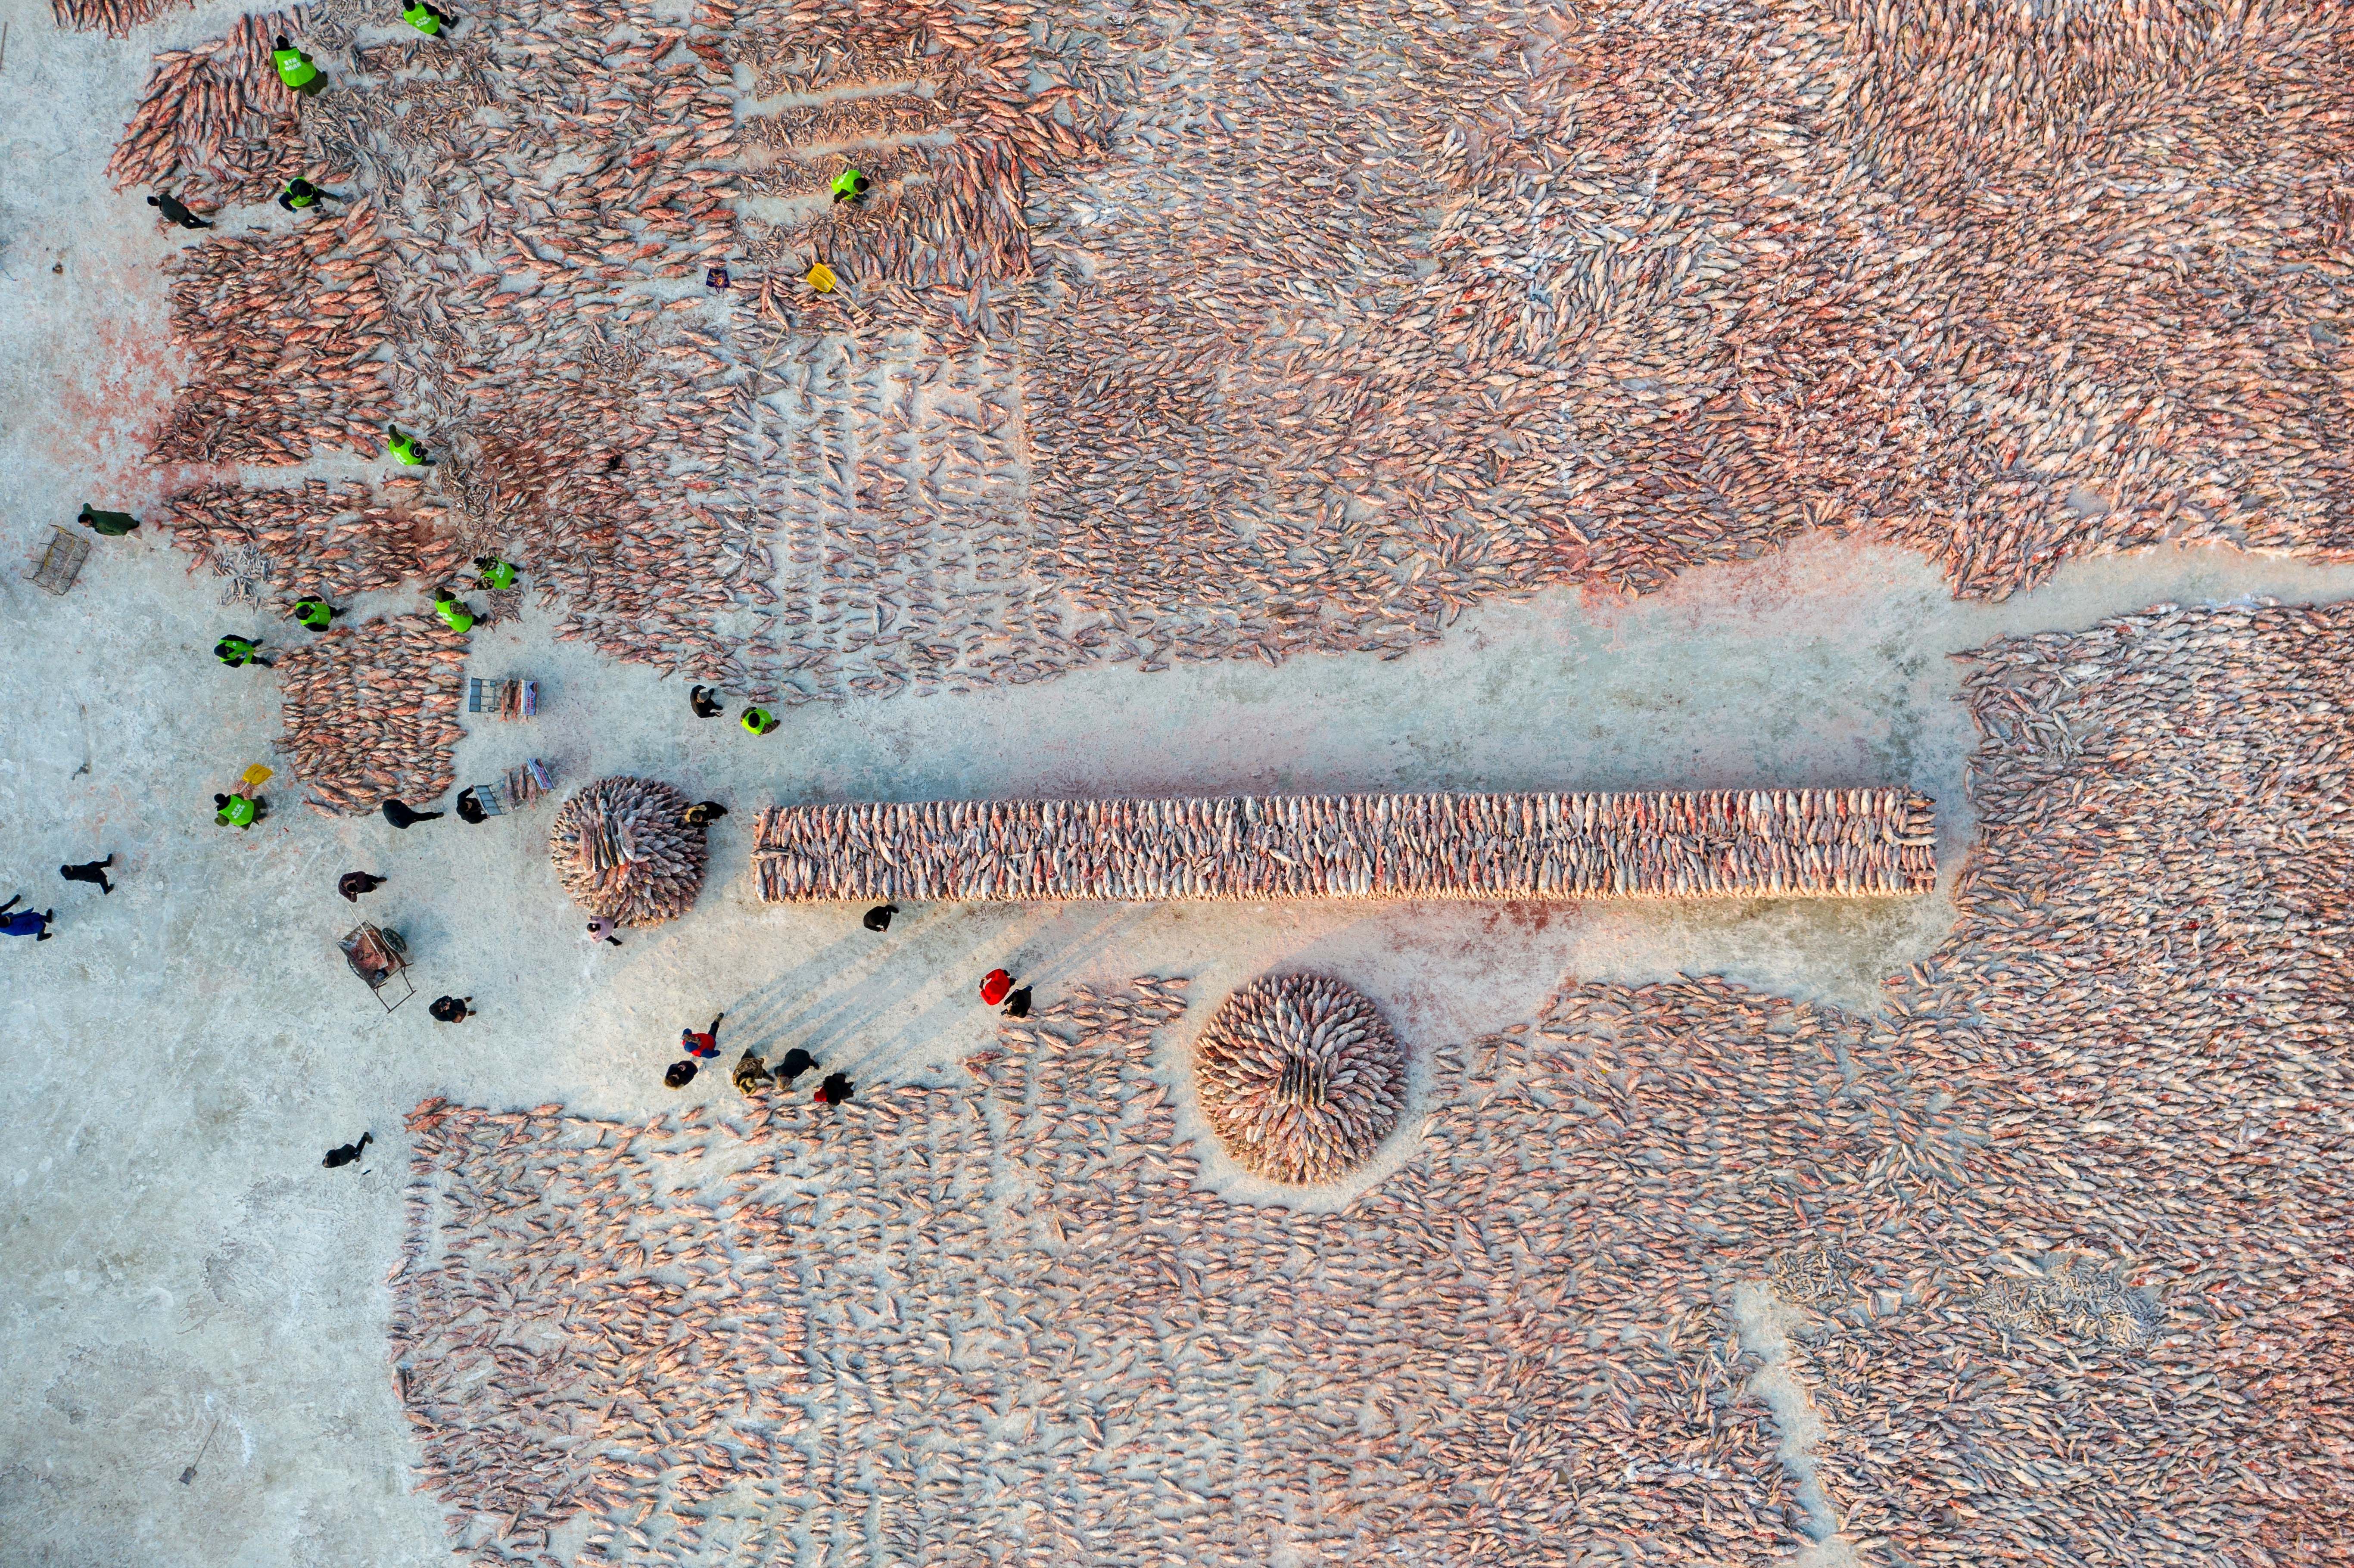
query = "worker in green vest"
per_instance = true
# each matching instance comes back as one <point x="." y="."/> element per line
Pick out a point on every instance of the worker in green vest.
<point x="404" y="448"/>
<point x="426" y="19"/>
<point x="238" y="810"/>
<point x="235" y="652"/>
<point x="113" y="525"/>
<point x="497" y="576"/>
<point x="300" y="192"/>
<point x="850" y="186"/>
<point x="294" y="68"/>
<point x="452" y="610"/>
<point x="759" y="721"/>
<point x="315" y="612"/>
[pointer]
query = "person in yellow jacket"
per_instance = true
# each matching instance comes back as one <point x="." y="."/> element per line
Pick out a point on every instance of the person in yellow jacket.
<point x="294" y="68"/>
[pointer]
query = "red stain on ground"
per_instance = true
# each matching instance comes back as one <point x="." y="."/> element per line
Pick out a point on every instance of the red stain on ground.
<point x="116" y="376"/>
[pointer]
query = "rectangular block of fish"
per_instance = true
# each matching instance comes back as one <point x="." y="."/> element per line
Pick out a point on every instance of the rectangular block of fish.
<point x="1718" y="843"/>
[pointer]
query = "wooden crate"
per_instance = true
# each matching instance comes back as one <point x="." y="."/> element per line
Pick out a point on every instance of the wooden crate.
<point x="61" y="562"/>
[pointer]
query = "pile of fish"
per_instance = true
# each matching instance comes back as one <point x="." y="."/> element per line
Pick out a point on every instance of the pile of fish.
<point x="624" y="849"/>
<point x="215" y="125"/>
<point x="1002" y="1323"/>
<point x="370" y="713"/>
<point x="314" y="538"/>
<point x="1719" y="843"/>
<point x="116" y="16"/>
<point x="1300" y="1078"/>
<point x="286" y="332"/>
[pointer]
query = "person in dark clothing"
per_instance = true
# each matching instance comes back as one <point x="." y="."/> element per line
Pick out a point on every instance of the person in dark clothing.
<point x="750" y="1076"/>
<point x="113" y="525"/>
<point x="1017" y="1005"/>
<point x="89" y="870"/>
<point x="704" y="1045"/>
<point x="680" y="1075"/>
<point x="835" y="1090"/>
<point x="797" y="1062"/>
<point x="470" y="810"/>
<point x="352" y="883"/>
<point x="451" y="1009"/>
<point x="703" y="813"/>
<point x="400" y="816"/>
<point x="26" y="923"/>
<point x="704" y="701"/>
<point x="169" y="206"/>
<point x="347" y="1154"/>
<point x="880" y="917"/>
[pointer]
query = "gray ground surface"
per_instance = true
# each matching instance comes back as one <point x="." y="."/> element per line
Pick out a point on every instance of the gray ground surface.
<point x="173" y="1065"/>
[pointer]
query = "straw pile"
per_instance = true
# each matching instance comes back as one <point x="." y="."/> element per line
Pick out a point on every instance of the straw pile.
<point x="285" y="331"/>
<point x="216" y="126"/>
<point x="335" y="541"/>
<point x="371" y="712"/>
<point x="1300" y="1078"/>
<point x="1725" y="843"/>
<point x="625" y="850"/>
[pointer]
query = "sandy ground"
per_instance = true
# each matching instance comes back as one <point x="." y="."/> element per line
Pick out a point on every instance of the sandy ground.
<point x="178" y="1058"/>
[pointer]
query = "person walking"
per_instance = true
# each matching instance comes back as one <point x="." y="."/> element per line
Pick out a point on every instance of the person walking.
<point x="451" y="1009"/>
<point x="759" y="721"/>
<point x="750" y="1076"/>
<point x="401" y="817"/>
<point x="238" y="810"/>
<point x="89" y="870"/>
<point x="455" y="613"/>
<point x="352" y="883"/>
<point x="703" y="813"/>
<point x="238" y="652"/>
<point x="25" y="922"/>
<point x="294" y="68"/>
<point x="880" y="917"/>
<point x="797" y="1062"/>
<point x="348" y="1154"/>
<point x="316" y="614"/>
<point x="705" y="1044"/>
<point x="300" y="192"/>
<point x="113" y="525"/>
<point x="1017" y="1004"/>
<point x="173" y="211"/>
<point x="835" y="1090"/>
<point x="600" y="929"/>
<point x="705" y="703"/>
<point x="995" y="987"/>
<point x="496" y="575"/>
<point x="470" y="810"/>
<point x="680" y="1075"/>
<point x="404" y="448"/>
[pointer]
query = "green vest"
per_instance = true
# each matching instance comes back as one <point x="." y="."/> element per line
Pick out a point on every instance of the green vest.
<point x="402" y="448"/>
<point x="232" y="651"/>
<point x="314" y="614"/>
<point x="113" y="525"/>
<point x="454" y="615"/>
<point x="294" y="66"/>
<point x="296" y="198"/>
<point x="845" y="185"/>
<point x="238" y="813"/>
<point x="759" y="721"/>
<point x="498" y="576"/>
<point x="423" y="20"/>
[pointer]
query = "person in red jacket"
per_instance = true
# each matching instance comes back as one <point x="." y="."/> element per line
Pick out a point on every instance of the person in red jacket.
<point x="704" y="1045"/>
<point x="995" y="986"/>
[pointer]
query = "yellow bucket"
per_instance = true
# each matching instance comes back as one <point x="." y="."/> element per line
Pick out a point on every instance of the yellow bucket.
<point x="255" y="777"/>
<point x="820" y="276"/>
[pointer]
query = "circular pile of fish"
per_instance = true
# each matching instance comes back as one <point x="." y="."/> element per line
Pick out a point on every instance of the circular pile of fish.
<point x="625" y="850"/>
<point x="1300" y="1078"/>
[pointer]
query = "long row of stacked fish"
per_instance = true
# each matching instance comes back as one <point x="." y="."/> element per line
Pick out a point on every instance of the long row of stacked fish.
<point x="371" y="712"/>
<point x="317" y="538"/>
<point x="1725" y="843"/>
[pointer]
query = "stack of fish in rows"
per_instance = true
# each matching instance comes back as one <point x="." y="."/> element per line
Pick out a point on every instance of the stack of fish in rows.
<point x="116" y="16"/>
<point x="625" y="850"/>
<point x="1023" y="1334"/>
<point x="286" y="332"/>
<point x="1300" y="1078"/>
<point x="314" y="538"/>
<point x="371" y="712"/>
<point x="216" y="125"/>
<point x="1718" y="843"/>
